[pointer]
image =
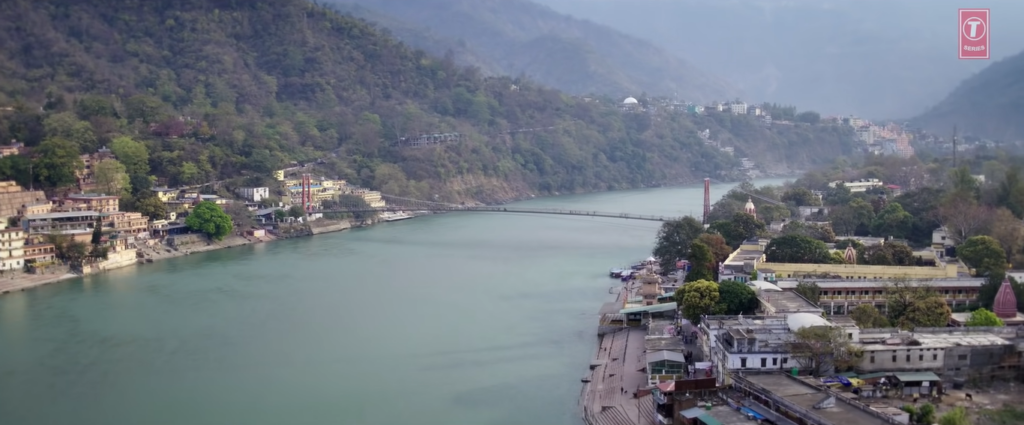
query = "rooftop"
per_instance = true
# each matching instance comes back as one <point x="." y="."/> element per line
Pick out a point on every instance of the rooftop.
<point x="69" y="214"/>
<point x="925" y="341"/>
<point x="787" y="302"/>
<point x="958" y="282"/>
<point x="805" y="396"/>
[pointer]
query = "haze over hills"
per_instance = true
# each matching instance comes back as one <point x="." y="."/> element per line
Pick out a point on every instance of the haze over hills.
<point x="873" y="58"/>
<point x="989" y="104"/>
<point x="514" y="37"/>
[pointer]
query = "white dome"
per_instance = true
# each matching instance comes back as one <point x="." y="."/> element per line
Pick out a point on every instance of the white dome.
<point x="629" y="101"/>
<point x="764" y="286"/>
<point x="804" y="320"/>
<point x="749" y="205"/>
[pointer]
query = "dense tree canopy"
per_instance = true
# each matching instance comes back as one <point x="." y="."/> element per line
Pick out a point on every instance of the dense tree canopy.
<point x="736" y="298"/>
<point x="673" y="241"/>
<point x="208" y="92"/>
<point x="797" y="249"/>
<point x="983" y="317"/>
<point x="208" y="218"/>
<point x="697" y="298"/>
<point x="702" y="263"/>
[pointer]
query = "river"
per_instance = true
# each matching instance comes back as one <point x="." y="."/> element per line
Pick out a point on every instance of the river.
<point x="465" y="318"/>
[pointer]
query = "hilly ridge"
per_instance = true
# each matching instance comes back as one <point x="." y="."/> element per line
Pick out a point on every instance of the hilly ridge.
<point x="989" y="104"/>
<point x="222" y="89"/>
<point x="514" y="37"/>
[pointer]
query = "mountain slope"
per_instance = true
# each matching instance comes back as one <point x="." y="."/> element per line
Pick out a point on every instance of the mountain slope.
<point x="872" y="58"/>
<point x="520" y="37"/>
<point x="989" y="104"/>
<point x="219" y="89"/>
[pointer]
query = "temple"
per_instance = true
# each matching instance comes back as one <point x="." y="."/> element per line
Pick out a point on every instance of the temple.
<point x="749" y="208"/>
<point x="1004" y="306"/>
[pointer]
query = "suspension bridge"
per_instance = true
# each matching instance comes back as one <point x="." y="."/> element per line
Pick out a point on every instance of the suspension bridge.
<point x="396" y="204"/>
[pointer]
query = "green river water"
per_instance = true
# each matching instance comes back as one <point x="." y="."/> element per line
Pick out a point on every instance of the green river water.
<point x="469" y="318"/>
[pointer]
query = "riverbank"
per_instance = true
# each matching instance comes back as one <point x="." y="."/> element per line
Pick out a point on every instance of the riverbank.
<point x="145" y="253"/>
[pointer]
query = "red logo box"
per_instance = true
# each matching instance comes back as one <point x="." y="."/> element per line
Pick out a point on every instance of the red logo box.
<point x="974" y="34"/>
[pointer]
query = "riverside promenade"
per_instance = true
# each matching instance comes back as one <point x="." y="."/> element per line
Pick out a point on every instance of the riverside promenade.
<point x="609" y="391"/>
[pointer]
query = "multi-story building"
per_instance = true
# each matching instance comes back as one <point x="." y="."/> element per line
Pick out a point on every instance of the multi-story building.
<point x="99" y="203"/>
<point x="12" y="243"/>
<point x="78" y="224"/>
<point x="166" y="194"/>
<point x="36" y="208"/>
<point x="373" y="198"/>
<point x="131" y="223"/>
<point x="254" y="194"/>
<point x="757" y="343"/>
<point x="738" y="108"/>
<point x="989" y="352"/>
<point x="839" y="296"/>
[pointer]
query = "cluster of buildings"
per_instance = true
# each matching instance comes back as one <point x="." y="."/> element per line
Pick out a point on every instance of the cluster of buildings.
<point x="630" y="104"/>
<point x="682" y="362"/>
<point x="887" y="139"/>
<point x="29" y="218"/>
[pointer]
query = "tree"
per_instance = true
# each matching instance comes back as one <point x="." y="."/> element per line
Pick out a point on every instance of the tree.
<point x="698" y="298"/>
<point x="240" y="215"/>
<point x="889" y="254"/>
<point x="931" y="312"/>
<point x="133" y="154"/>
<point x="208" y="218"/>
<point x="909" y="305"/>
<point x="296" y="211"/>
<point x="702" y="263"/>
<point x="847" y="218"/>
<point x="984" y="254"/>
<point x="1011" y="191"/>
<point x="800" y="197"/>
<point x="838" y="195"/>
<point x="56" y="162"/>
<point x="892" y="221"/>
<point x="963" y="218"/>
<point x="16" y="168"/>
<point x="673" y="241"/>
<point x="111" y="178"/>
<point x="957" y="416"/>
<point x="983" y="317"/>
<point x="280" y="215"/>
<point x="151" y="207"/>
<point x="813" y="231"/>
<point x="97" y="231"/>
<point x="867" y="316"/>
<point x="736" y="298"/>
<point x="797" y="249"/>
<point x="823" y="349"/>
<point x="808" y="117"/>
<point x="809" y="290"/>
<point x="963" y="184"/>
<point x="1008" y="230"/>
<point x="67" y="126"/>
<point x="361" y="210"/>
<point x="747" y="225"/>
<point x="719" y="249"/>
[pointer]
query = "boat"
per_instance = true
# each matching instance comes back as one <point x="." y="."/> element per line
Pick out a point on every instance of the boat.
<point x="394" y="216"/>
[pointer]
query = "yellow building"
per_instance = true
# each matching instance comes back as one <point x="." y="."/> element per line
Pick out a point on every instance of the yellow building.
<point x="127" y="222"/>
<point x="165" y="194"/>
<point x="279" y="175"/>
<point x="90" y="202"/>
<point x="373" y="198"/>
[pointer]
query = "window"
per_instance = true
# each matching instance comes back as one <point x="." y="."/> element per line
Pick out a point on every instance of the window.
<point x="775" y="361"/>
<point x="894" y="358"/>
<point x="935" y="357"/>
<point x="908" y="358"/>
<point x="743" y="362"/>
<point x="962" y="357"/>
<point x="920" y="358"/>
<point x="785" y="360"/>
<point x="849" y="336"/>
<point x="764" y="362"/>
<point x="872" y="359"/>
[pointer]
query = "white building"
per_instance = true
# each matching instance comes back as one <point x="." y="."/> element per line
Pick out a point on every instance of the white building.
<point x="254" y="194"/>
<point x="12" y="247"/>
<point x="738" y="108"/>
<point x="861" y="185"/>
<point x="756" y="343"/>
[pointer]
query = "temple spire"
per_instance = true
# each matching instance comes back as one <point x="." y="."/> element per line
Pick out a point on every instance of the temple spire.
<point x="1005" y="304"/>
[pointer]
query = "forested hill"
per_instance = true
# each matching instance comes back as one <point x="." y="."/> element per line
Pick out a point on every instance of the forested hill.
<point x="221" y="89"/>
<point x="989" y="104"/>
<point x="513" y="37"/>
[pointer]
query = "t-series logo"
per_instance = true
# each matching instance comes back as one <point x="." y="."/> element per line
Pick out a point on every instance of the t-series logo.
<point x="974" y="34"/>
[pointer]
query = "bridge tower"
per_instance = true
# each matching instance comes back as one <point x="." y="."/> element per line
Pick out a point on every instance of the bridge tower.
<point x="307" y="193"/>
<point x="707" y="200"/>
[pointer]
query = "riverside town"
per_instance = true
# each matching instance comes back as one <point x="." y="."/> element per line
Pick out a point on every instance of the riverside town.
<point x="514" y="212"/>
